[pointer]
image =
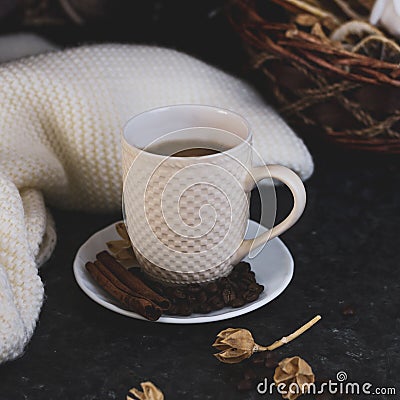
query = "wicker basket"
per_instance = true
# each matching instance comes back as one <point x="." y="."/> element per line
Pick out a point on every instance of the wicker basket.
<point x="354" y="98"/>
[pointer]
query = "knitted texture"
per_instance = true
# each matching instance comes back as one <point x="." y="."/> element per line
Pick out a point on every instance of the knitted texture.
<point x="61" y="116"/>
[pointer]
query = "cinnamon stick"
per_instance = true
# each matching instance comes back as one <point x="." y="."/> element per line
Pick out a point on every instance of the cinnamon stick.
<point x="138" y="287"/>
<point x="139" y="305"/>
<point x="112" y="278"/>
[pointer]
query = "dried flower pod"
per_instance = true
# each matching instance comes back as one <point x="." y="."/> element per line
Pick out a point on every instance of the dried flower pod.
<point x="306" y="19"/>
<point x="353" y="32"/>
<point x="122" y="249"/>
<point x="296" y="374"/>
<point x="380" y="48"/>
<point x="235" y="345"/>
<point x="319" y="32"/>
<point x="120" y="227"/>
<point x="150" y="392"/>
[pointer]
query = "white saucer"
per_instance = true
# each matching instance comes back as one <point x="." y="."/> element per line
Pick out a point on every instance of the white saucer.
<point x="273" y="267"/>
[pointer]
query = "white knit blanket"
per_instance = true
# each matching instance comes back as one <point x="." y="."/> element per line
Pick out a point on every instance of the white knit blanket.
<point x="60" y="121"/>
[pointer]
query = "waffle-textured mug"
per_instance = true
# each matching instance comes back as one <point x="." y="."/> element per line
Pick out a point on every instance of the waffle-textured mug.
<point x="187" y="216"/>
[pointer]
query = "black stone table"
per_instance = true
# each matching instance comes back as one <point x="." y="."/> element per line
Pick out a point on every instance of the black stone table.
<point x="346" y="256"/>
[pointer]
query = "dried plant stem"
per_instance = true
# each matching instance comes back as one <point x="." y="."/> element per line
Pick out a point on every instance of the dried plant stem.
<point x="75" y="17"/>
<point x="287" y="339"/>
<point x="344" y="6"/>
<point x="310" y="9"/>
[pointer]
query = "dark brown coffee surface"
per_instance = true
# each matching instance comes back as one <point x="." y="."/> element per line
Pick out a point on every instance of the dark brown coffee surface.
<point x="185" y="148"/>
<point x="195" y="152"/>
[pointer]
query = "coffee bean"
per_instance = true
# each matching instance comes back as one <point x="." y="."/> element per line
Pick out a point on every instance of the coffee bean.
<point x="213" y="299"/>
<point x="218" y="306"/>
<point x="179" y="293"/>
<point x="168" y="291"/>
<point x="242" y="285"/>
<point x="202" y="297"/>
<point x="245" y="279"/>
<point x="208" y="309"/>
<point x="204" y="308"/>
<point x="224" y="282"/>
<point x="233" y="284"/>
<point x="250" y="296"/>
<point x="212" y="287"/>
<point x="157" y="287"/>
<point x="234" y="290"/>
<point x="216" y="303"/>
<point x="199" y="308"/>
<point x="253" y="287"/>
<point x="194" y="288"/>
<point x="173" y="309"/>
<point x="253" y="297"/>
<point x="238" y="302"/>
<point x="233" y="275"/>
<point x="228" y="295"/>
<point x="191" y="298"/>
<point x="242" y="267"/>
<point x="184" y="310"/>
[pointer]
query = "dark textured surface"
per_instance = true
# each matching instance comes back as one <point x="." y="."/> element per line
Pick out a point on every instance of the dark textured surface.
<point x="345" y="249"/>
<point x="346" y="253"/>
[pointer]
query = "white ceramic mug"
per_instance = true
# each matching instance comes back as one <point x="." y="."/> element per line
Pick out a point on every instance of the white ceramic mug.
<point x="187" y="216"/>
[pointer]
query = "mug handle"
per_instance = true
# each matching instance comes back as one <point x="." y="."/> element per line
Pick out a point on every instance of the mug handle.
<point x="294" y="183"/>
